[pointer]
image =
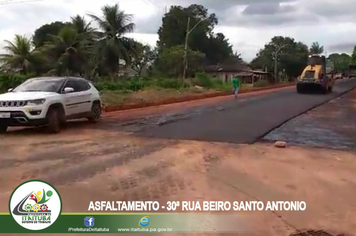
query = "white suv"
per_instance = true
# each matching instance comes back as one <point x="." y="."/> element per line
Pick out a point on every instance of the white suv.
<point x="49" y="101"/>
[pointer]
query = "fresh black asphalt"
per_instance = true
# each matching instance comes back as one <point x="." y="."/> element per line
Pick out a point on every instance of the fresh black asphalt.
<point x="246" y="119"/>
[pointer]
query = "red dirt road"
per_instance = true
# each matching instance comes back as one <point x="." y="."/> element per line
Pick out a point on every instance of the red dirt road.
<point x="89" y="163"/>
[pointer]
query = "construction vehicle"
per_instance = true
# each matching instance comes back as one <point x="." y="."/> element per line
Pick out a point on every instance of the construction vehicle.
<point x="319" y="74"/>
<point x="352" y="71"/>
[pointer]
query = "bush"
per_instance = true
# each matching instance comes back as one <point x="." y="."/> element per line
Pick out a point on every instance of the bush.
<point x="110" y="86"/>
<point x="203" y="80"/>
<point x="12" y="80"/>
<point x="132" y="84"/>
<point x="224" y="87"/>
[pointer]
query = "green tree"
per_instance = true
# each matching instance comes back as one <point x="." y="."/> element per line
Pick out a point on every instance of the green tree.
<point x="264" y="59"/>
<point x="67" y="52"/>
<point x="142" y="56"/>
<point x="292" y="56"/>
<point x="174" y="26"/>
<point x="111" y="44"/>
<point x="218" y="50"/>
<point x="316" y="48"/>
<point x="20" y="56"/>
<point x="353" y="57"/>
<point x="341" y="61"/>
<point x="234" y="59"/>
<point x="173" y="32"/>
<point x="169" y="62"/>
<point x="41" y="34"/>
<point x="294" y="60"/>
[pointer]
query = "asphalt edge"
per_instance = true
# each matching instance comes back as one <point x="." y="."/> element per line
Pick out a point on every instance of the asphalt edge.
<point x="259" y="139"/>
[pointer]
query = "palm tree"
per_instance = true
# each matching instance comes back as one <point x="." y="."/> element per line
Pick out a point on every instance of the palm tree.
<point x="67" y="52"/>
<point x="83" y="28"/>
<point x="80" y="24"/>
<point x="20" y="56"/>
<point x="112" y="45"/>
<point x="316" y="48"/>
<point x="89" y="38"/>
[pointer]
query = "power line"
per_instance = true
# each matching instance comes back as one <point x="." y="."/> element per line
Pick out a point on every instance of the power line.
<point x="149" y="2"/>
<point x="11" y="2"/>
<point x="152" y="2"/>
<point x="6" y="1"/>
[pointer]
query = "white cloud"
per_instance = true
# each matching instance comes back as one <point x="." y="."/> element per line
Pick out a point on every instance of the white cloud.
<point x="331" y="23"/>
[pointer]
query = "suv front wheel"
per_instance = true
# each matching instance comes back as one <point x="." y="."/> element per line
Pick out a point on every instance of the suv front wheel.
<point x="3" y="128"/>
<point x="95" y="112"/>
<point x="53" y="118"/>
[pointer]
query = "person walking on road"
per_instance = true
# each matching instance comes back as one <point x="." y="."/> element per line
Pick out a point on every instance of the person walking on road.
<point x="236" y="82"/>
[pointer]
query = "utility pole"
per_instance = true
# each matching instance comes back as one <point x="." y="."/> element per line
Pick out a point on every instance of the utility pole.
<point x="276" y="62"/>
<point x="275" y="67"/>
<point x="185" y="60"/>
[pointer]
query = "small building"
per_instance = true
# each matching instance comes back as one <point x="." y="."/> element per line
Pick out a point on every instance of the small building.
<point x="226" y="72"/>
<point x="253" y="76"/>
<point x="126" y="72"/>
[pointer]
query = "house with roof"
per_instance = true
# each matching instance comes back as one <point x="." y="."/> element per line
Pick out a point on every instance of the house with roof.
<point x="226" y="72"/>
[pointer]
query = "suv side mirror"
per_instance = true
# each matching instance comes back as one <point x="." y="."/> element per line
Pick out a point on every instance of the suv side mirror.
<point x="10" y="89"/>
<point x="68" y="90"/>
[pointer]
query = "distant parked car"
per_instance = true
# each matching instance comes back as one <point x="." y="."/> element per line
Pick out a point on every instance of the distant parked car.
<point x="49" y="101"/>
<point x="339" y="76"/>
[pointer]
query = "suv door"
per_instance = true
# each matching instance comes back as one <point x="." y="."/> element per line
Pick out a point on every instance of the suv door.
<point x="75" y="100"/>
<point x="85" y="93"/>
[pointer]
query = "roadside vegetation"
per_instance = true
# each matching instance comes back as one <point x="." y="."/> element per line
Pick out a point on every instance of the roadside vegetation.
<point x="98" y="47"/>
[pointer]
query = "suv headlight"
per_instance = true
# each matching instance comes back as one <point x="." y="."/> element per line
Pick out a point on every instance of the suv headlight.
<point x="36" y="102"/>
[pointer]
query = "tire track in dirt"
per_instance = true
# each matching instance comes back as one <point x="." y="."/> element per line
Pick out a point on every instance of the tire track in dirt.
<point x="69" y="157"/>
<point x="151" y="183"/>
<point x="164" y="178"/>
<point x="89" y="169"/>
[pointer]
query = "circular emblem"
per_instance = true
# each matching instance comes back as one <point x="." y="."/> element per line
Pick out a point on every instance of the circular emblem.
<point x="35" y="205"/>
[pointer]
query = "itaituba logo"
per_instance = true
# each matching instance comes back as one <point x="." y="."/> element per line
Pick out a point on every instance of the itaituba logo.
<point x="35" y="205"/>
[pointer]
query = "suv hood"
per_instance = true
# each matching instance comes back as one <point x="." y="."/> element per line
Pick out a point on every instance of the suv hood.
<point x="22" y="96"/>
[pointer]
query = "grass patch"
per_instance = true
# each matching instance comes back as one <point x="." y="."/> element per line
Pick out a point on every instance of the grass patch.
<point x="148" y="95"/>
<point x="113" y="98"/>
<point x="261" y="83"/>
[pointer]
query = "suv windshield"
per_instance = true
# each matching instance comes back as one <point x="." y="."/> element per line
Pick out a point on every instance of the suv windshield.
<point x="42" y="85"/>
